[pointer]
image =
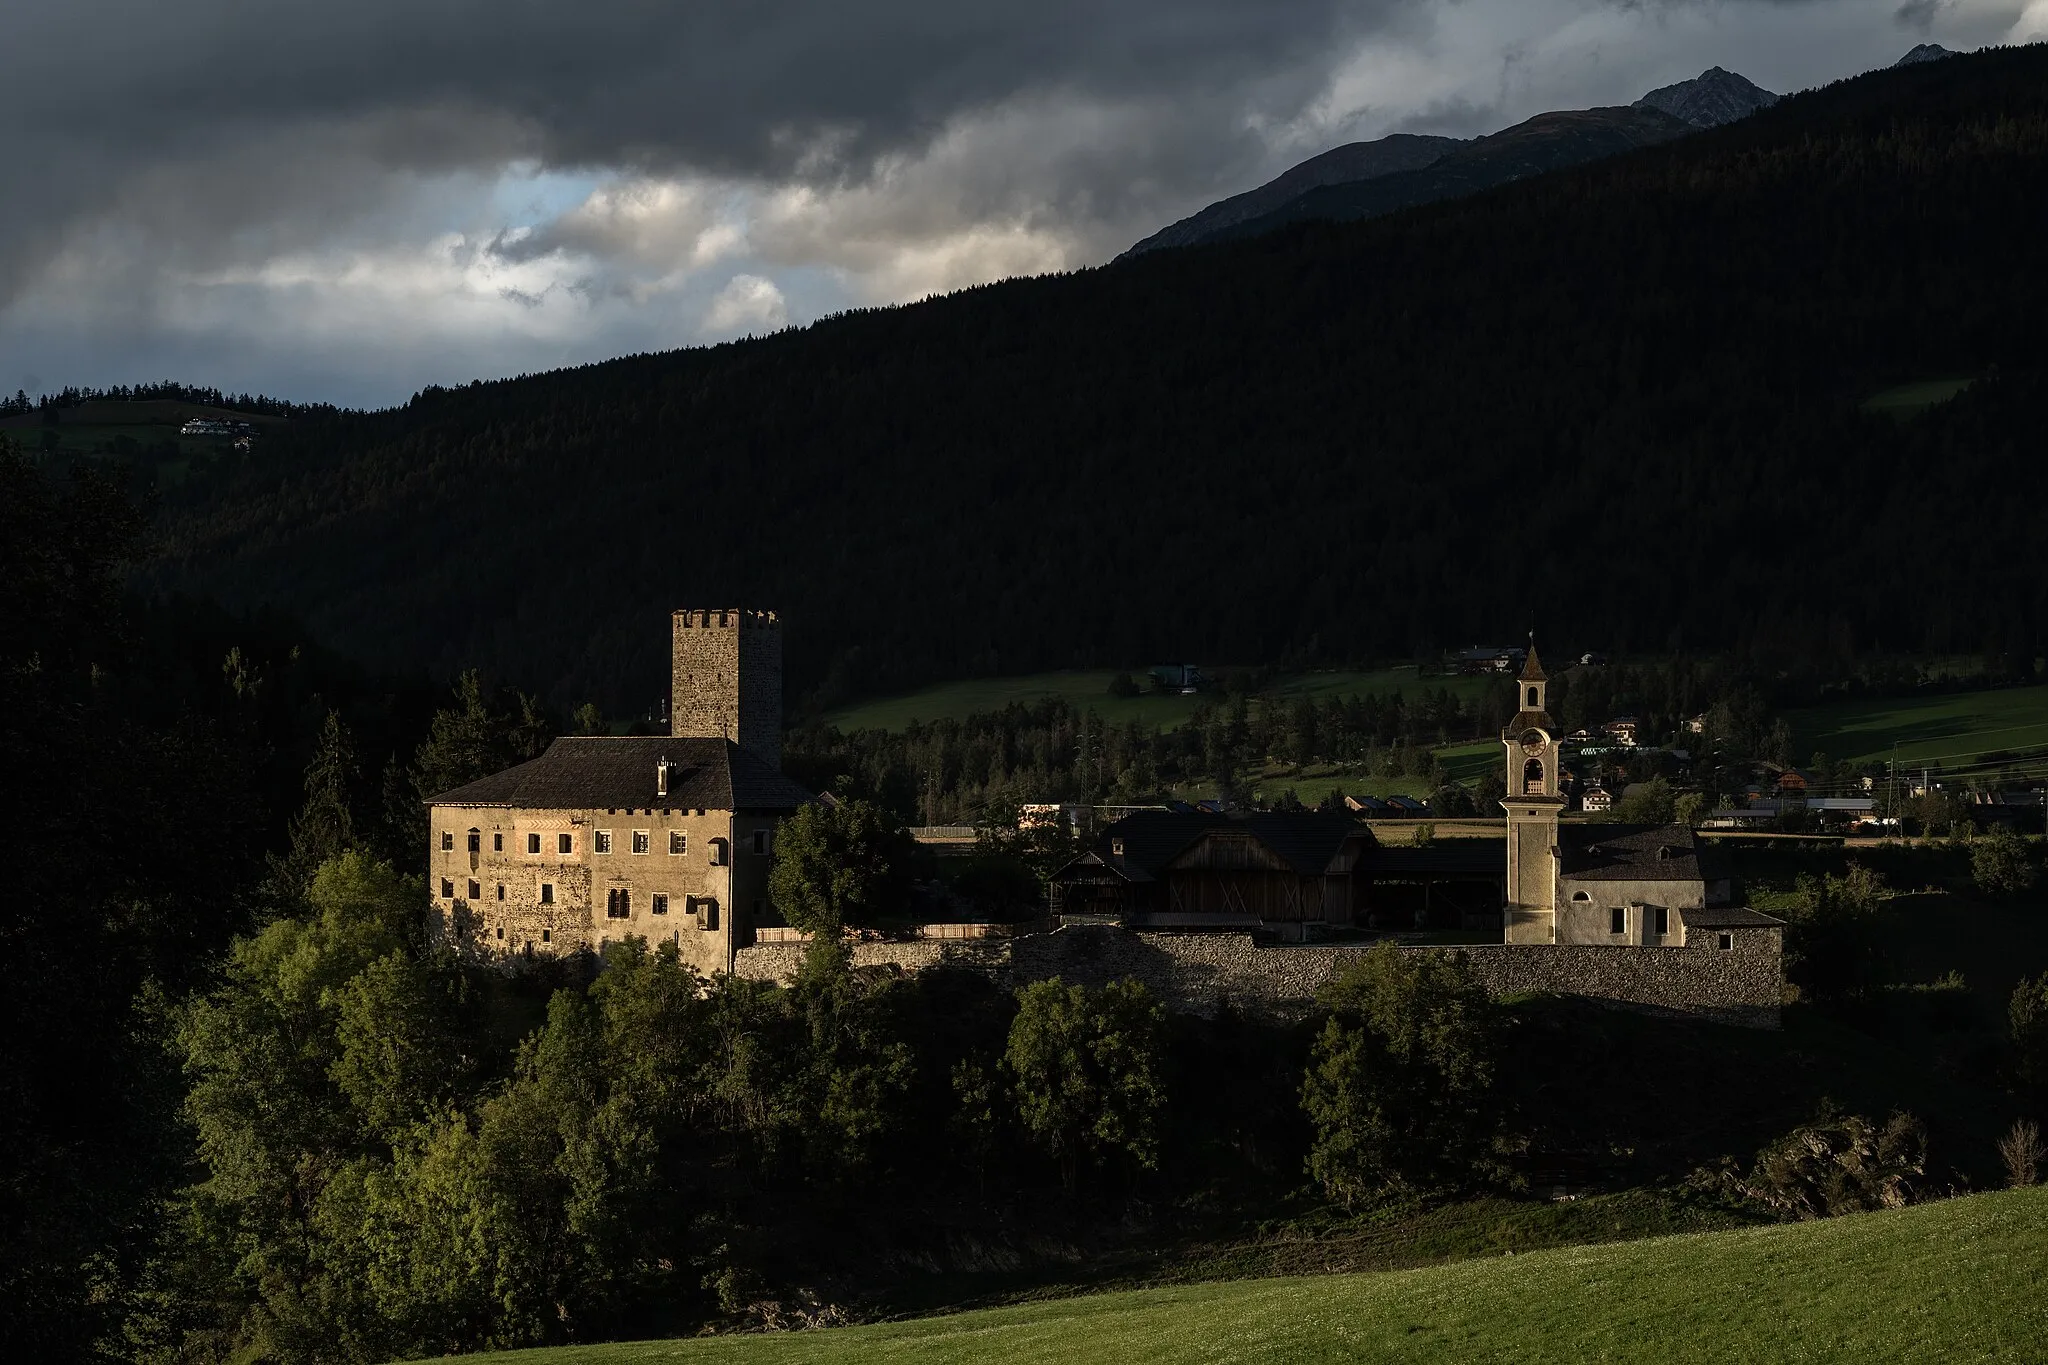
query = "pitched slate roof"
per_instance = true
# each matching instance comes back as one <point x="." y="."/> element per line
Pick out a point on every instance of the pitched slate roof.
<point x="1643" y="853"/>
<point x="608" y="773"/>
<point x="1306" y="841"/>
<point x="1532" y="667"/>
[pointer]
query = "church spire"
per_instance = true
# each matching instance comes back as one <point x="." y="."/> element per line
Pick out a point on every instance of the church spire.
<point x="1532" y="667"/>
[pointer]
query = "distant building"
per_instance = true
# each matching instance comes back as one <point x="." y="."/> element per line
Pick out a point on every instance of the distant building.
<point x="1619" y="885"/>
<point x="1596" y="799"/>
<point x="1485" y="659"/>
<point x="1622" y="730"/>
<point x="664" y="838"/>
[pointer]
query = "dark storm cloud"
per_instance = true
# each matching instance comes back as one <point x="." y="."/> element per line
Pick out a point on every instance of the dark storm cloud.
<point x="289" y="113"/>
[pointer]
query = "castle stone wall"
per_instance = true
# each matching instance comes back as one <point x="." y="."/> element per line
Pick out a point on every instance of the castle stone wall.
<point x="1202" y="973"/>
<point x="726" y="679"/>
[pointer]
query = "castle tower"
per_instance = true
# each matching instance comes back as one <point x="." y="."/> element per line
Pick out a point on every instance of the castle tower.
<point x="726" y="680"/>
<point x="1532" y="804"/>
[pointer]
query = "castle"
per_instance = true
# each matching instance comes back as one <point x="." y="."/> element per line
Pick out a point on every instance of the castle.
<point x="666" y="838"/>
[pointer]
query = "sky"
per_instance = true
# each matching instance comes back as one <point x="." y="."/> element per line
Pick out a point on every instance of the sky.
<point x="347" y="201"/>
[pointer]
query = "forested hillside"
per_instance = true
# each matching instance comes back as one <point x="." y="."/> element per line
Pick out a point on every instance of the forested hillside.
<point x="1622" y="402"/>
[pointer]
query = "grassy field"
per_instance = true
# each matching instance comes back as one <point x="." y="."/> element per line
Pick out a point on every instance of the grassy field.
<point x="1946" y="730"/>
<point x="1962" y="1280"/>
<point x="1090" y="688"/>
<point x="1909" y="400"/>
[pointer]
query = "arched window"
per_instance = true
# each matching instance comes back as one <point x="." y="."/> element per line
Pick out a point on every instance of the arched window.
<point x="1581" y="898"/>
<point x="1532" y="777"/>
<point x="1532" y="699"/>
<point x="476" y="841"/>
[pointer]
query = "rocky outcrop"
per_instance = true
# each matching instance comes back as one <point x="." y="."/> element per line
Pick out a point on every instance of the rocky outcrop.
<point x="1710" y="99"/>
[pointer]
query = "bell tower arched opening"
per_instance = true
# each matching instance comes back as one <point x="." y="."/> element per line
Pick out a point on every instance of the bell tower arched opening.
<point x="1532" y="778"/>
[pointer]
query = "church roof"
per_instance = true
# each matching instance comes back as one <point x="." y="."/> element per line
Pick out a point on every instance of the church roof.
<point x="1532" y="667"/>
<point x="1641" y="853"/>
<point x="610" y="773"/>
<point x="1729" y="917"/>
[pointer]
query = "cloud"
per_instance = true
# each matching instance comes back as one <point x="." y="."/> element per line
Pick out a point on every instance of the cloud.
<point x="1919" y="15"/>
<point x="252" y="192"/>
<point x="747" y="303"/>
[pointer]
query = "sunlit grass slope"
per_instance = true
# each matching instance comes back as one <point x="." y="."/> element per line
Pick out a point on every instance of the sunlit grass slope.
<point x="1090" y="688"/>
<point x="1946" y="730"/>
<point x="1965" y="1280"/>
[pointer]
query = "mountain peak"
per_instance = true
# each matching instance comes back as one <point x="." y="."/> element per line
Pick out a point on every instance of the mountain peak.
<point x="1925" y="52"/>
<point x="1714" y="97"/>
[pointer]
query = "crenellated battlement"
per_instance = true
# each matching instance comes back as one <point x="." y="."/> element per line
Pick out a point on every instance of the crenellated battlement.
<point x="726" y="619"/>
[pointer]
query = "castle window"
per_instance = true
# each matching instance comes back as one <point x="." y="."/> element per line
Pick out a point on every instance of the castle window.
<point x="447" y="841"/>
<point x="640" y="841"/>
<point x="476" y="841"/>
<point x="497" y="843"/>
<point x="1581" y="898"/>
<point x="658" y="905"/>
<point x="447" y="888"/>
<point x="476" y="893"/>
<point x="704" y="909"/>
<point x="604" y="841"/>
<point x="618" y="903"/>
<point x="501" y="890"/>
<point x="1725" y="942"/>
<point x="501" y="931"/>
<point x="718" y="852"/>
<point x="533" y="843"/>
<point x="547" y="936"/>
<point x="760" y="842"/>
<point x="565" y="843"/>
<point x="547" y="893"/>
<point x="1663" y="919"/>
<point x="1619" y="915"/>
<point x="678" y="843"/>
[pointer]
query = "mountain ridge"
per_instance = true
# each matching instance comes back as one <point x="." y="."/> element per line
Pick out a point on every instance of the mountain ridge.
<point x="1583" y="397"/>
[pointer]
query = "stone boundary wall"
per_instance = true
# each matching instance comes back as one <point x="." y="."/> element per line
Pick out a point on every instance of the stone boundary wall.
<point x="1203" y="973"/>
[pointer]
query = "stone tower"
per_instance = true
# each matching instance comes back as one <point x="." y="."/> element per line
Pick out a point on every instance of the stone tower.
<point x="727" y="680"/>
<point x="1532" y="804"/>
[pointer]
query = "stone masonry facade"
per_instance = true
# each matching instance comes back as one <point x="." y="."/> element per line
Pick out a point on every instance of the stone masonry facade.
<point x="1201" y="974"/>
<point x="726" y="679"/>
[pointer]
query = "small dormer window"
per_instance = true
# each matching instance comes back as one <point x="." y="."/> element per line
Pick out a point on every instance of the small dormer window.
<point x="1116" y="848"/>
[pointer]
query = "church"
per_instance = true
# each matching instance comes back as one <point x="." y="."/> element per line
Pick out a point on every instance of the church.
<point x="1618" y="885"/>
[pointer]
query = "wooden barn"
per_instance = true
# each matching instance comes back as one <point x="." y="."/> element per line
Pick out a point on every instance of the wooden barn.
<point x="1290" y="874"/>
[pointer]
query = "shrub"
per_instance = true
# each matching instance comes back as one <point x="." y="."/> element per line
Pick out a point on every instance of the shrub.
<point x="1838" y="1163"/>
<point x="2022" y="1150"/>
<point x="2002" y="864"/>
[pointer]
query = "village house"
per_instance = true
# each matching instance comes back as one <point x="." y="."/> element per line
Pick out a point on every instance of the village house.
<point x="666" y="838"/>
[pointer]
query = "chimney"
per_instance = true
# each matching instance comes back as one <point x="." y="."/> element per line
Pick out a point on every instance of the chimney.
<point x="661" y="777"/>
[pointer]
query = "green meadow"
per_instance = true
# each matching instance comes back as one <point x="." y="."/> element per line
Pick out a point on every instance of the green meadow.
<point x="1947" y="730"/>
<point x="1090" y="688"/>
<point x="1964" y="1279"/>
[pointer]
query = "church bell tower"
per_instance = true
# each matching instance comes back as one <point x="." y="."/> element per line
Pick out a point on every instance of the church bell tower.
<point x="1532" y="804"/>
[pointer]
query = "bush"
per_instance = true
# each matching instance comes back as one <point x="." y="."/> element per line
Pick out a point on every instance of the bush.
<point x="1123" y="685"/>
<point x="1400" y="1081"/>
<point x="2022" y="1150"/>
<point x="1839" y="1163"/>
<point x="2003" y="863"/>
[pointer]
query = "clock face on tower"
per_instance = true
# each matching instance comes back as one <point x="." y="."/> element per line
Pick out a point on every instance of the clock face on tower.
<point x="1533" y="741"/>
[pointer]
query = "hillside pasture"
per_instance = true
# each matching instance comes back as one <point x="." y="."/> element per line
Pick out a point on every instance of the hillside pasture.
<point x="1089" y="688"/>
<point x="1948" y="730"/>
<point x="1965" y="1279"/>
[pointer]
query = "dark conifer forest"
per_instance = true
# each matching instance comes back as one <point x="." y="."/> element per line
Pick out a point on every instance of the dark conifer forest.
<point x="1624" y="402"/>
